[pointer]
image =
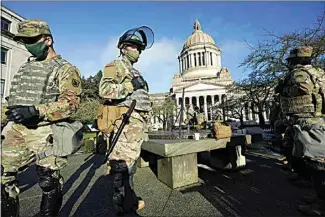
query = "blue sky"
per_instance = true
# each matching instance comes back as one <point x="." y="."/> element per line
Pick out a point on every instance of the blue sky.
<point x="86" y="33"/>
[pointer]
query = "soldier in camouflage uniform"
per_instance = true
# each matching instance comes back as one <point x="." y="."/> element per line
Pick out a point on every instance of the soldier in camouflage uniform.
<point x="302" y="100"/>
<point x="120" y="84"/>
<point x="45" y="90"/>
<point x="189" y="115"/>
<point x="278" y="125"/>
<point x="200" y="119"/>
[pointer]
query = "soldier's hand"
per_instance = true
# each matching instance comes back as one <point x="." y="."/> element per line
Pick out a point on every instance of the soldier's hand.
<point x="21" y="114"/>
<point x="138" y="83"/>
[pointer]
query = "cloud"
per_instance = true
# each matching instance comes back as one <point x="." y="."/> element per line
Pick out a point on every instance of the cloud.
<point x="158" y="64"/>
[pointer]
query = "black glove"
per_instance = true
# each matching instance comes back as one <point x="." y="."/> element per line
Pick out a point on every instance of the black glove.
<point x="22" y="114"/>
<point x="138" y="83"/>
<point x="279" y="87"/>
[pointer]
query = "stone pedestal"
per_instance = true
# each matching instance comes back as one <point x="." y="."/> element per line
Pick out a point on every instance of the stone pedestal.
<point x="233" y="156"/>
<point x="178" y="171"/>
<point x="142" y="163"/>
<point x="177" y="159"/>
<point x="230" y="158"/>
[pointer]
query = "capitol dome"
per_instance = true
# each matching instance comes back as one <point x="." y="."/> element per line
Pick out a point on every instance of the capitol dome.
<point x="200" y="56"/>
<point x="198" y="37"/>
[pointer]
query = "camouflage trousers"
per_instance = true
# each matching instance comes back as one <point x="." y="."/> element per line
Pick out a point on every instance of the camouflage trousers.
<point x="22" y="147"/>
<point x="128" y="146"/>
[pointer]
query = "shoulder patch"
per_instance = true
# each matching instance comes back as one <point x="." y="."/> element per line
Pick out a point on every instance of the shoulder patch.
<point x="109" y="65"/>
<point x="113" y="63"/>
<point x="75" y="83"/>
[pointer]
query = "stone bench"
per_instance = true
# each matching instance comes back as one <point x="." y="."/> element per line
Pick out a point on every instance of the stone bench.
<point x="177" y="161"/>
<point x="233" y="156"/>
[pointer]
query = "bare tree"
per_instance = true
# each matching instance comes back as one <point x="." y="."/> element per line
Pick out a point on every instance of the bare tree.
<point x="235" y="105"/>
<point x="164" y="111"/>
<point x="267" y="62"/>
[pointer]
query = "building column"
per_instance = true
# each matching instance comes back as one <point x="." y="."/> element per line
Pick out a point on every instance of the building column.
<point x="180" y="65"/>
<point x="212" y="100"/>
<point x="192" y="59"/>
<point x="208" y="58"/>
<point x="214" y="57"/>
<point x="198" y="101"/>
<point x="205" y="107"/>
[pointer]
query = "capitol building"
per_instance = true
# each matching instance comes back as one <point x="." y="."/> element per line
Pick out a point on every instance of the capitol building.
<point x="202" y="77"/>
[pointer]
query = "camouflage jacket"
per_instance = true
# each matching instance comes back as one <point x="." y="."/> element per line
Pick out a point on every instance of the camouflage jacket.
<point x="115" y="83"/>
<point x="57" y="98"/>
<point x="301" y="96"/>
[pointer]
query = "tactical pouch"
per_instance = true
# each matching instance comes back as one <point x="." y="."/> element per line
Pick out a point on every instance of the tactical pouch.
<point x="107" y="115"/>
<point x="309" y="142"/>
<point x="67" y="138"/>
<point x="221" y="130"/>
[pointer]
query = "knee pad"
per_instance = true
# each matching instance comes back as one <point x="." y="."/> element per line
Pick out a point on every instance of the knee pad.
<point x="118" y="166"/>
<point x="46" y="180"/>
<point x="118" y="180"/>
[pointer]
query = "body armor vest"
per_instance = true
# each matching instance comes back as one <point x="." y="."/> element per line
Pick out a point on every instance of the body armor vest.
<point x="311" y="105"/>
<point x="36" y="83"/>
<point x="141" y="95"/>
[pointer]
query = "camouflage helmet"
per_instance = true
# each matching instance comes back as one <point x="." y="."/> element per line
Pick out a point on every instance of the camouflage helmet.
<point x="142" y="37"/>
<point x="31" y="28"/>
<point x="302" y="51"/>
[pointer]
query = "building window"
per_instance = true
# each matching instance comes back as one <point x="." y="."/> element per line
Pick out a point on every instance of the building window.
<point x="188" y="61"/>
<point x="195" y="60"/>
<point x="211" y="59"/>
<point x="2" y="88"/>
<point x="4" y="52"/>
<point x="199" y="59"/>
<point x="5" y="24"/>
<point x="183" y="64"/>
<point x="203" y="59"/>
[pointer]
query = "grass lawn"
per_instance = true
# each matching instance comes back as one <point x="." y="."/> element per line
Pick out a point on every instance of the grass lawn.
<point x="88" y="135"/>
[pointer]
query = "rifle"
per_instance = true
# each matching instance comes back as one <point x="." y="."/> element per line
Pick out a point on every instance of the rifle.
<point x="126" y="117"/>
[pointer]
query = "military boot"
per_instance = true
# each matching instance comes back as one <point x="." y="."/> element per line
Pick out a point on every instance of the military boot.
<point x="9" y="205"/>
<point x="52" y="191"/>
<point x="315" y="209"/>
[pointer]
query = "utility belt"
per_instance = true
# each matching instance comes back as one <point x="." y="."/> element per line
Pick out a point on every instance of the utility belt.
<point x="110" y="111"/>
<point x="297" y="105"/>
